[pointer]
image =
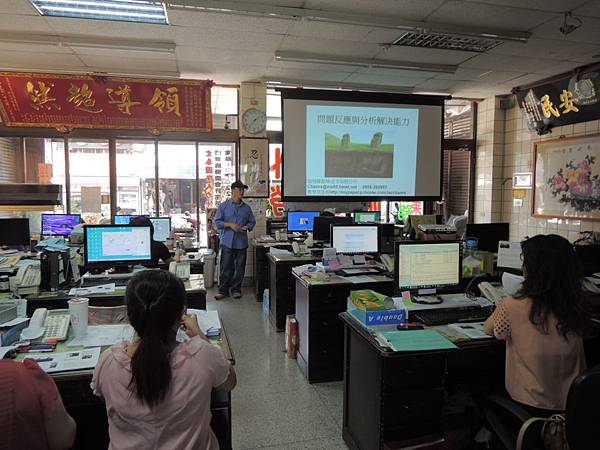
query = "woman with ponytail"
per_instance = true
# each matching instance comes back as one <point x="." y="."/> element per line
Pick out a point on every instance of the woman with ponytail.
<point x="157" y="391"/>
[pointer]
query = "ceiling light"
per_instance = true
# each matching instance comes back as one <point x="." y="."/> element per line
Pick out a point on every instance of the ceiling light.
<point x="334" y="85"/>
<point x="141" y="11"/>
<point x="311" y="58"/>
<point x="446" y="41"/>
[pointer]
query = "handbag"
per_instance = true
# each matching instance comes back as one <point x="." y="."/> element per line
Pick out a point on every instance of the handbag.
<point x="553" y="434"/>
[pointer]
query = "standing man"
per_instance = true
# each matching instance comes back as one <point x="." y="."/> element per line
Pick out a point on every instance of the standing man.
<point x="234" y="219"/>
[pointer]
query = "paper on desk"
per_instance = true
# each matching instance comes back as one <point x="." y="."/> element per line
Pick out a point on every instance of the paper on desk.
<point x="416" y="340"/>
<point x="279" y="251"/>
<point x="9" y="261"/>
<point x="360" y="279"/>
<point x="208" y="321"/>
<point x="101" y="289"/>
<point x="103" y="335"/>
<point x="63" y="361"/>
<point x="13" y="322"/>
<point x="473" y="330"/>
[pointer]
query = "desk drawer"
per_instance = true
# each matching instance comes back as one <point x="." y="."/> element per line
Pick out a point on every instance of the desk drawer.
<point x="328" y="299"/>
<point x="326" y="352"/>
<point x="326" y="324"/>
<point x="413" y="371"/>
<point x="412" y="406"/>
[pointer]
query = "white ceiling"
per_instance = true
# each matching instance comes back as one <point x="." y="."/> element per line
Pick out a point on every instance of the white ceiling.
<point x="231" y="48"/>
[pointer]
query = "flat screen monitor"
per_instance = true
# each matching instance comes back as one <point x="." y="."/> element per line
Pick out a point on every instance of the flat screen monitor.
<point x="428" y="265"/>
<point x="162" y="228"/>
<point x="361" y="146"/>
<point x="59" y="224"/>
<point x="301" y="220"/>
<point x="355" y="239"/>
<point x="107" y="245"/>
<point x="124" y="219"/>
<point x="322" y="226"/>
<point x="14" y="231"/>
<point x="367" y="216"/>
<point x="488" y="235"/>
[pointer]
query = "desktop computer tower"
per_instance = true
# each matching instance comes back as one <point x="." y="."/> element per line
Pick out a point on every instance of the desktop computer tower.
<point x="386" y="237"/>
<point x="54" y="269"/>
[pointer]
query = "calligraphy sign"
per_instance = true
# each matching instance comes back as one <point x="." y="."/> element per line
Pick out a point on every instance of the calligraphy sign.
<point x="254" y="166"/>
<point x="82" y="101"/>
<point x="569" y="100"/>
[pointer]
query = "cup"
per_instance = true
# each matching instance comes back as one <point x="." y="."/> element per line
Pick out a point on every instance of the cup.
<point x="78" y="310"/>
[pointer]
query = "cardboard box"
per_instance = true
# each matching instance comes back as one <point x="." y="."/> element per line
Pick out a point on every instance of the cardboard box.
<point x="372" y="318"/>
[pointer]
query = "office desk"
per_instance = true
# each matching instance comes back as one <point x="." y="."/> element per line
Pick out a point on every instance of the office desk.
<point x="318" y="304"/>
<point x="261" y="268"/>
<point x="194" y="287"/>
<point x="281" y="286"/>
<point x="393" y="396"/>
<point x="89" y="411"/>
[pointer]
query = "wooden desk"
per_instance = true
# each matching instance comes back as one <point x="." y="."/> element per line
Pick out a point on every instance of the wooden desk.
<point x="194" y="287"/>
<point x="395" y="396"/>
<point x="89" y="411"/>
<point x="261" y="268"/>
<point x="282" y="286"/>
<point x="318" y="304"/>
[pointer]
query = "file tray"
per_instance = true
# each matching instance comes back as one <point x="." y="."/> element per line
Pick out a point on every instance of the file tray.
<point x="394" y="316"/>
<point x="7" y="313"/>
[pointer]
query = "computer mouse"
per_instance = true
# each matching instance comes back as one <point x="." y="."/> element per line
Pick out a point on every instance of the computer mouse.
<point x="191" y="256"/>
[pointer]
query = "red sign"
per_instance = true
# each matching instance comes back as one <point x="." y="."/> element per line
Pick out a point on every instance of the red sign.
<point x="81" y="101"/>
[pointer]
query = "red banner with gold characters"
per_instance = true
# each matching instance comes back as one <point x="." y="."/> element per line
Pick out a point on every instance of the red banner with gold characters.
<point x="85" y="101"/>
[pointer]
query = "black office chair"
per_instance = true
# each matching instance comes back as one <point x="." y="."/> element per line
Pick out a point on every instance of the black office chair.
<point x="582" y="416"/>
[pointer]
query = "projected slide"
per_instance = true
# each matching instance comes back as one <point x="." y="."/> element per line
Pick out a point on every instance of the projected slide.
<point x="361" y="151"/>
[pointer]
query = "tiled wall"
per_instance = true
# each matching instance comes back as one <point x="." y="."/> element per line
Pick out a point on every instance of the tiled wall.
<point x="499" y="162"/>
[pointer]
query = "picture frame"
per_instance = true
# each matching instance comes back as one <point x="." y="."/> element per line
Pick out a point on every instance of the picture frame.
<point x="254" y="166"/>
<point x="567" y="178"/>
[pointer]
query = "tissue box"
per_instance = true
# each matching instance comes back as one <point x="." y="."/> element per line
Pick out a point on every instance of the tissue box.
<point x="395" y="316"/>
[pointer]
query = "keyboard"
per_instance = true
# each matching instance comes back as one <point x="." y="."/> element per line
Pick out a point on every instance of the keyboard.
<point x="120" y="282"/>
<point x="445" y="316"/>
<point x="56" y="326"/>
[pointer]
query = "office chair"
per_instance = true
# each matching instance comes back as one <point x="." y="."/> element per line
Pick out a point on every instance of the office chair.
<point x="582" y="416"/>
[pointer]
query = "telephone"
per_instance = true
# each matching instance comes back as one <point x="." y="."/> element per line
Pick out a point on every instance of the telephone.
<point x="28" y="275"/>
<point x="309" y="240"/>
<point x="494" y="293"/>
<point x="181" y="269"/>
<point x="299" y="248"/>
<point x="388" y="262"/>
<point x="53" y="326"/>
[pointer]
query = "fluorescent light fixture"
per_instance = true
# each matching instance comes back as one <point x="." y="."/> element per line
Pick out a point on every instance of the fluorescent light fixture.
<point x="333" y="85"/>
<point x="366" y="63"/>
<point x="141" y="11"/>
<point x="171" y="74"/>
<point x="446" y="41"/>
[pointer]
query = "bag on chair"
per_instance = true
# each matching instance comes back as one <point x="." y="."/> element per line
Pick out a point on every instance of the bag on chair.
<point x="554" y="432"/>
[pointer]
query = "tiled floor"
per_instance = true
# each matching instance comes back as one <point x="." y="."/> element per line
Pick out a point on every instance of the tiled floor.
<point x="274" y="407"/>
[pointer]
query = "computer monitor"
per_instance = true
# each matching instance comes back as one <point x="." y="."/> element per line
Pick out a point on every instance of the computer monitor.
<point x="117" y="245"/>
<point x="59" y="224"/>
<point x="14" y="231"/>
<point x="367" y="216"/>
<point x="322" y="226"/>
<point x="488" y="235"/>
<point x="355" y="238"/>
<point x="428" y="265"/>
<point x="124" y="219"/>
<point x="162" y="228"/>
<point x="301" y="220"/>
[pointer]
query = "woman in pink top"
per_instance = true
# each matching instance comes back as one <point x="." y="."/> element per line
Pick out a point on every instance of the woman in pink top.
<point x="32" y="414"/>
<point x="157" y="392"/>
<point x="543" y="325"/>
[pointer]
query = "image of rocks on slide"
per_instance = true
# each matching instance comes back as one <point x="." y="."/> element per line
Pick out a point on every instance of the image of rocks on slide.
<point x="347" y="159"/>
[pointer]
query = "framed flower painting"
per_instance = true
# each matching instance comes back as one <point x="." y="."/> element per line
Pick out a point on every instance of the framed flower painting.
<point x="567" y="178"/>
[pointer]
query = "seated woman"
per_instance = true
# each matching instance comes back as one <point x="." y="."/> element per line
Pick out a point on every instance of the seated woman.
<point x="543" y="326"/>
<point x="32" y="414"/>
<point x="157" y="391"/>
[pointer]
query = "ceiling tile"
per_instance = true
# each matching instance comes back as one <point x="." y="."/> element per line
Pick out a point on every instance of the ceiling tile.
<point x="480" y="75"/>
<point x="19" y="22"/>
<point x="111" y="64"/>
<point x="18" y="7"/>
<point x="220" y="56"/>
<point x="112" y="29"/>
<point x="329" y="31"/>
<point x="312" y="66"/>
<point x="541" y="5"/>
<point x="558" y="68"/>
<point x="382" y="35"/>
<point x="302" y="74"/>
<point x="119" y="54"/>
<point x="288" y="3"/>
<point x="39" y="61"/>
<point x="481" y="15"/>
<point x="526" y="79"/>
<point x="590" y="9"/>
<point x="239" y="40"/>
<point x="223" y="74"/>
<point x="547" y="48"/>
<point x="509" y="63"/>
<point x="424" y="55"/>
<point x="34" y="48"/>
<point x="406" y="9"/>
<point x="385" y="80"/>
<point x="329" y="47"/>
<point x="396" y="72"/>
<point x="588" y="32"/>
<point x="227" y="22"/>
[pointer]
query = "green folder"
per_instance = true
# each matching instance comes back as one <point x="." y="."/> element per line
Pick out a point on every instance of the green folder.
<point x="417" y="340"/>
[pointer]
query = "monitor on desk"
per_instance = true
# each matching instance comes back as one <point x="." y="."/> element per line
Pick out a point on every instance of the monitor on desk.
<point x="14" y="231"/>
<point x="367" y="216"/>
<point x="59" y="224"/>
<point x="125" y="219"/>
<point x="162" y="228"/>
<point x="322" y="226"/>
<point x="117" y="245"/>
<point x="488" y="235"/>
<point x="424" y="265"/>
<point x="355" y="239"/>
<point x="301" y="220"/>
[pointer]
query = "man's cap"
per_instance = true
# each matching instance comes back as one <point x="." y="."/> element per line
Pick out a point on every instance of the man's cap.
<point x="238" y="184"/>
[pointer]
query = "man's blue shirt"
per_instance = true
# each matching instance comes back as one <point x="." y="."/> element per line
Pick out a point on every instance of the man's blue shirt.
<point x="241" y="214"/>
